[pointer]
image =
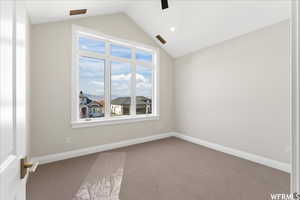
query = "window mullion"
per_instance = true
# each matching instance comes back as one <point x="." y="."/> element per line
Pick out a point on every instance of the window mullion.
<point x="119" y="59"/>
<point x="155" y="82"/>
<point x="107" y="80"/>
<point x="133" y="83"/>
<point x="76" y="78"/>
<point x="91" y="54"/>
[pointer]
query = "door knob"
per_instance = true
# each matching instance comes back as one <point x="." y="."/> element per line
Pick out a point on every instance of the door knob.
<point x="28" y="164"/>
<point x="25" y="165"/>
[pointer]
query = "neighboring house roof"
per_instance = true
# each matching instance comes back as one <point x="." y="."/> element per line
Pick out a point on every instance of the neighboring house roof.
<point x="101" y="102"/>
<point x="94" y="103"/>
<point x="140" y="100"/>
<point x="121" y="101"/>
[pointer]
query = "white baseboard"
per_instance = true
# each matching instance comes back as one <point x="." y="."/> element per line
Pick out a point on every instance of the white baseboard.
<point x="85" y="151"/>
<point x="241" y="154"/>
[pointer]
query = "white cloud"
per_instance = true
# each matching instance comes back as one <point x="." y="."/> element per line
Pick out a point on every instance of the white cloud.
<point x="117" y="86"/>
<point x="84" y="46"/>
<point x="120" y="67"/>
<point x="127" y="77"/>
<point x="140" y="78"/>
<point x="100" y="83"/>
<point x="99" y="91"/>
<point x="121" y="77"/>
<point x="142" y="85"/>
<point x="90" y="65"/>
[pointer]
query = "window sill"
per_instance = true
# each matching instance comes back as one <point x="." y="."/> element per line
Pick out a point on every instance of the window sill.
<point x="113" y="120"/>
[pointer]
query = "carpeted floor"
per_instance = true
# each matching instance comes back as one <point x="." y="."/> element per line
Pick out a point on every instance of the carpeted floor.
<point x="167" y="169"/>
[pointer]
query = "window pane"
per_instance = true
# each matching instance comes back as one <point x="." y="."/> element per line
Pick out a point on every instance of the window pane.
<point x="88" y="44"/>
<point x="143" y="56"/>
<point x="91" y="83"/>
<point x="143" y="90"/>
<point x="120" y="88"/>
<point x="120" y="51"/>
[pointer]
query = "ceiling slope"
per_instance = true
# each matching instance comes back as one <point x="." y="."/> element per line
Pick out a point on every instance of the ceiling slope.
<point x="186" y="25"/>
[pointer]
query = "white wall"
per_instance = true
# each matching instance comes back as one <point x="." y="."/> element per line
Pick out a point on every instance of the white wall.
<point x="236" y="94"/>
<point x="50" y="100"/>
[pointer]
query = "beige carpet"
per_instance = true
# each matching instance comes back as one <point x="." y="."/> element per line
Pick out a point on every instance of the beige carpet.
<point x="104" y="179"/>
<point x="168" y="169"/>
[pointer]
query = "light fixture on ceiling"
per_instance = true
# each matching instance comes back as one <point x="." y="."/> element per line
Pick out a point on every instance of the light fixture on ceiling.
<point x="164" y="4"/>
<point x="172" y="29"/>
<point x="78" y="12"/>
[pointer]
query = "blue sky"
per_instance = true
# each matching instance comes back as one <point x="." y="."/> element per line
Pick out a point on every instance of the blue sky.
<point x="120" y="51"/>
<point x="120" y="79"/>
<point x="91" y="79"/>
<point x="92" y="71"/>
<point x="121" y="76"/>
<point x="116" y="50"/>
<point x="91" y="45"/>
<point x="143" y="56"/>
<point x="143" y="81"/>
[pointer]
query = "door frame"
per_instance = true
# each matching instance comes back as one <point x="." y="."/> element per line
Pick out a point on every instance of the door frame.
<point x="295" y="95"/>
<point x="11" y="185"/>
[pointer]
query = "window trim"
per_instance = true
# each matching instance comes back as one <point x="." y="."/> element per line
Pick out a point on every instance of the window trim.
<point x="76" y="122"/>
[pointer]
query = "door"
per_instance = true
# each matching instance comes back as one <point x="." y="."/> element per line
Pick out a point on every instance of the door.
<point x="13" y="129"/>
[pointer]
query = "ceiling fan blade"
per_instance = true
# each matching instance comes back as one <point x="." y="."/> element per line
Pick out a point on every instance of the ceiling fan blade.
<point x="164" y="4"/>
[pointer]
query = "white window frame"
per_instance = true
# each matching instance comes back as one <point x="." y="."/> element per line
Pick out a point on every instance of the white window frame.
<point x="76" y="122"/>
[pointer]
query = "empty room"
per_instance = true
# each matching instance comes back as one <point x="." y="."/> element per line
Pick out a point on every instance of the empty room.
<point x="149" y="100"/>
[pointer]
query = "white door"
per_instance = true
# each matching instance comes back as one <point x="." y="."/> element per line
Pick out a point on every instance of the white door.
<point x="12" y="100"/>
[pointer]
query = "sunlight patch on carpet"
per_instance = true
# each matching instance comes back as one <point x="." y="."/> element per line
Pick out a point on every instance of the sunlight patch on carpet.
<point x="103" y="182"/>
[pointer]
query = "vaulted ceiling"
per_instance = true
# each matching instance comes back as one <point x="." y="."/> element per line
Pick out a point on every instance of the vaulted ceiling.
<point x="187" y="25"/>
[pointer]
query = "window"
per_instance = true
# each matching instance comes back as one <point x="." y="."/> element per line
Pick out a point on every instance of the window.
<point x="113" y="81"/>
<point x="88" y="44"/>
<point x="91" y="84"/>
<point x="120" y="51"/>
<point x="120" y="88"/>
<point x="143" y="56"/>
<point x="143" y="90"/>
